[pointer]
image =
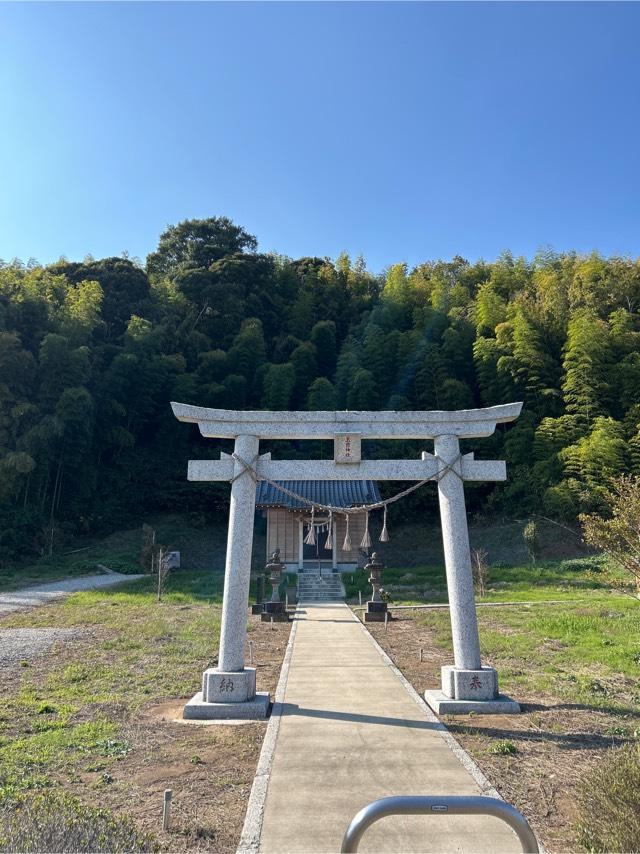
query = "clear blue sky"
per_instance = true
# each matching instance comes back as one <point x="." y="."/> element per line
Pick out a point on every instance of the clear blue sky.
<point x="399" y="131"/>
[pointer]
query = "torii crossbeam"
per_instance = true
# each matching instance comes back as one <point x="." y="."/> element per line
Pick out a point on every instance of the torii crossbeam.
<point x="229" y="689"/>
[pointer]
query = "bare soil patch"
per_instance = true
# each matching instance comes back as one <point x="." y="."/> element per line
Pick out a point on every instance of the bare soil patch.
<point x="210" y="768"/>
<point x="556" y="743"/>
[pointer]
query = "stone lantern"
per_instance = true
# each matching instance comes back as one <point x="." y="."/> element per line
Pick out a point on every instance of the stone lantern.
<point x="274" y="609"/>
<point x="376" y="608"/>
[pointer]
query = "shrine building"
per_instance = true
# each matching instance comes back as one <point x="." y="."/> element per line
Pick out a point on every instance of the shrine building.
<point x="289" y="521"/>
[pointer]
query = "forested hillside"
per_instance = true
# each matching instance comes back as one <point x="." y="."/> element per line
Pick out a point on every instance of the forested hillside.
<point x="91" y="354"/>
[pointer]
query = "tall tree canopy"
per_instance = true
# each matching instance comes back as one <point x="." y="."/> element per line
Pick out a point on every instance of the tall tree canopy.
<point x="197" y="244"/>
<point x="92" y="352"/>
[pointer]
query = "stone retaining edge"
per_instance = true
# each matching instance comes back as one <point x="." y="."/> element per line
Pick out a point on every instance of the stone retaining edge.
<point x="252" y="828"/>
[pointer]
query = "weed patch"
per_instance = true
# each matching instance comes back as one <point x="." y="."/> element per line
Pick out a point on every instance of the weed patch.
<point x="503" y="748"/>
<point x="609" y="802"/>
<point x="59" y="823"/>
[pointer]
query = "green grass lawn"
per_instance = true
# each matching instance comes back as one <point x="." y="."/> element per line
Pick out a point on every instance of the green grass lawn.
<point x="200" y="540"/>
<point x="580" y="639"/>
<point x="72" y="717"/>
<point x="586" y="653"/>
<point x="140" y="651"/>
<point x="565" y="579"/>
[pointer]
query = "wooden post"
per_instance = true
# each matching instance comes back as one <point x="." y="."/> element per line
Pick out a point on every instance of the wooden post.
<point x="166" y="809"/>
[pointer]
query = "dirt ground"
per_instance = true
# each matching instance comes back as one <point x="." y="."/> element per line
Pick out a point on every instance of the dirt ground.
<point x="209" y="768"/>
<point x="556" y="743"/>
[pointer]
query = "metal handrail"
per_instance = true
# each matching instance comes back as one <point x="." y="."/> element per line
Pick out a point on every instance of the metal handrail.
<point x="447" y="805"/>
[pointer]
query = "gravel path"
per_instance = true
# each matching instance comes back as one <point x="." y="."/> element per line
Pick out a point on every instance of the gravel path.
<point x="17" y="645"/>
<point x="40" y="594"/>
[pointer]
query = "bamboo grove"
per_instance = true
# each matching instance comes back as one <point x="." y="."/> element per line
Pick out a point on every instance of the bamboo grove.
<point x="91" y="353"/>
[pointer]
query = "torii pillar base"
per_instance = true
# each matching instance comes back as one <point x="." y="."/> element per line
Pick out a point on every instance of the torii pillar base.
<point x="228" y="696"/>
<point x="465" y="691"/>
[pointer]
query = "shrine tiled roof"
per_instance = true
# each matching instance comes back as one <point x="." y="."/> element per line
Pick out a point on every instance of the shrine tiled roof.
<point x="337" y="493"/>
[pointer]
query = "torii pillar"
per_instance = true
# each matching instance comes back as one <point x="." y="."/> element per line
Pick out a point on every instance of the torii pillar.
<point x="229" y="690"/>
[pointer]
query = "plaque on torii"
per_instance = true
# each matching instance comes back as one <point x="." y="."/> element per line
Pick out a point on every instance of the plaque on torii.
<point x="466" y="685"/>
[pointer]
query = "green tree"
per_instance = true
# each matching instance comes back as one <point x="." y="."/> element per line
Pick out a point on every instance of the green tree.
<point x="348" y="366"/>
<point x="586" y="363"/>
<point x="322" y="395"/>
<point x="594" y="459"/>
<point x="236" y="391"/>
<point x="430" y="378"/>
<point x="305" y="367"/>
<point x="198" y="243"/>
<point x="490" y="309"/>
<point x="278" y="385"/>
<point x="617" y="529"/>
<point x="396" y="286"/>
<point x="248" y="352"/>
<point x="61" y="366"/>
<point x="363" y="393"/>
<point x="124" y="288"/>
<point x="323" y="337"/>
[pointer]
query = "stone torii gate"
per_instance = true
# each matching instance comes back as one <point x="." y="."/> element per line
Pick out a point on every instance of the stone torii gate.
<point x="229" y="690"/>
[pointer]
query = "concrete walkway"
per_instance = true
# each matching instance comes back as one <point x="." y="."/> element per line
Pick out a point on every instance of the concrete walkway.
<point x="40" y="594"/>
<point x="350" y="730"/>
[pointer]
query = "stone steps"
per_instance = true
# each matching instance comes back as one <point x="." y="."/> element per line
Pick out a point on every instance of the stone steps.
<point x="313" y="587"/>
<point x="327" y="587"/>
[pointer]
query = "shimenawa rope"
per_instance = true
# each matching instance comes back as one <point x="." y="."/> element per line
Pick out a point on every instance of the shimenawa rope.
<point x="448" y="468"/>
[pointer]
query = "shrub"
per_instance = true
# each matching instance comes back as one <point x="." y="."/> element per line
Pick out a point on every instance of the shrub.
<point x="55" y="822"/>
<point x="503" y="748"/>
<point x="609" y="803"/>
<point x="480" y="569"/>
<point x="618" y="535"/>
<point x="530" y="537"/>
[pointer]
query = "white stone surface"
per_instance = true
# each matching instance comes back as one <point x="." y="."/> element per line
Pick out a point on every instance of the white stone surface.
<point x="443" y="705"/>
<point x="347" y="448"/>
<point x="238" y="563"/>
<point x="229" y="687"/>
<point x="427" y="467"/>
<point x="228" y="423"/>
<point x="470" y="684"/>
<point x="457" y="558"/>
<point x="198" y="710"/>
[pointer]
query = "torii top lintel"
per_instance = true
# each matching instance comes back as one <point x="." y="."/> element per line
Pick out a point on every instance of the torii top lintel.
<point x="267" y="424"/>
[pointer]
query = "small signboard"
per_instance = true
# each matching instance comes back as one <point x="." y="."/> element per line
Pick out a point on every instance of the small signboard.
<point x="172" y="560"/>
<point x="346" y="447"/>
